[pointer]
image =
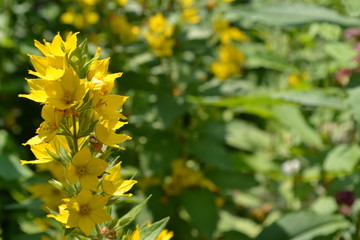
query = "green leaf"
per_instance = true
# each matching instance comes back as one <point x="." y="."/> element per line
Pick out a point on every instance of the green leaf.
<point x="303" y="225"/>
<point x="169" y="107"/>
<point x="313" y="98"/>
<point x="11" y="168"/>
<point x="242" y="225"/>
<point x="152" y="232"/>
<point x="324" y="205"/>
<point x="352" y="7"/>
<point x="342" y="158"/>
<point x="288" y="14"/>
<point x="346" y="58"/>
<point x="68" y="231"/>
<point x="212" y="152"/>
<point x="231" y="179"/>
<point x="291" y="117"/>
<point x="244" y="136"/>
<point x="251" y="100"/>
<point x="268" y="60"/>
<point x="78" y="58"/>
<point x="200" y="205"/>
<point x="128" y="217"/>
<point x="353" y="100"/>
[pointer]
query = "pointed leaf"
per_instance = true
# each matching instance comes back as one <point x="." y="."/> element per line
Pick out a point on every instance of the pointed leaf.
<point x="152" y="232"/>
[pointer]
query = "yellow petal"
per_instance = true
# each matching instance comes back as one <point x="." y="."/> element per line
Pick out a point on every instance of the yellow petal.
<point x="55" y="48"/>
<point x="108" y="187"/>
<point x="96" y="166"/>
<point x="98" y="202"/>
<point x="89" y="181"/>
<point x="124" y="187"/>
<point x="36" y="83"/>
<point x="71" y="173"/>
<point x="73" y="220"/>
<point x="33" y="141"/>
<point x="84" y="197"/>
<point x="114" y="173"/>
<point x="36" y="96"/>
<point x="40" y="161"/>
<point x="108" y="137"/>
<point x="100" y="216"/>
<point x="71" y="42"/>
<point x="86" y="224"/>
<point x="82" y="157"/>
<point x="40" y="64"/>
<point x="41" y="47"/>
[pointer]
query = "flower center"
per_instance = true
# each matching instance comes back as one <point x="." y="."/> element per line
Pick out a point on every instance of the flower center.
<point x="81" y="170"/>
<point x="68" y="97"/>
<point x="84" y="210"/>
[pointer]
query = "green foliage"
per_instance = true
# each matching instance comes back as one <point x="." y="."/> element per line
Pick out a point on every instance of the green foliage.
<point x="263" y="154"/>
<point x="304" y="225"/>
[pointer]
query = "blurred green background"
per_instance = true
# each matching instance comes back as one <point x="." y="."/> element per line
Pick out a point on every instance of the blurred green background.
<point x="244" y="114"/>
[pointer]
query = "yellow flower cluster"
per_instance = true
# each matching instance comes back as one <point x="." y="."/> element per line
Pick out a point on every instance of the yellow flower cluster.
<point x="81" y="117"/>
<point x="189" y="12"/>
<point x="184" y="177"/>
<point x="230" y="57"/>
<point x="126" y="31"/>
<point x="159" y="35"/>
<point x="86" y="17"/>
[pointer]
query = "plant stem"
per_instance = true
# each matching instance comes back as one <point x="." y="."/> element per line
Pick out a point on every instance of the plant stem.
<point x="76" y="147"/>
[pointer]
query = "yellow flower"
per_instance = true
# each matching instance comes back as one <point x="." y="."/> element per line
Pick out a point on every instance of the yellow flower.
<point x="228" y="33"/>
<point x="165" y="235"/>
<point x="223" y="70"/>
<point x="67" y="91"/>
<point x="88" y="2"/>
<point x="112" y="183"/>
<point x="85" y="18"/>
<point x="86" y="210"/>
<point x="158" y="23"/>
<point x="186" y="3"/>
<point x="51" y="67"/>
<point x="41" y="150"/>
<point x="122" y="2"/>
<point x="159" y="35"/>
<point x="230" y="59"/>
<point x="63" y="215"/>
<point x="48" y="128"/>
<point x="190" y="15"/>
<point x="107" y="106"/>
<point x="230" y="53"/>
<point x="86" y="169"/>
<point x="37" y="92"/>
<point x="135" y="235"/>
<point x="109" y="137"/>
<point x="293" y="79"/>
<point x="127" y="32"/>
<point x="98" y="68"/>
<point x="184" y="177"/>
<point x="99" y="79"/>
